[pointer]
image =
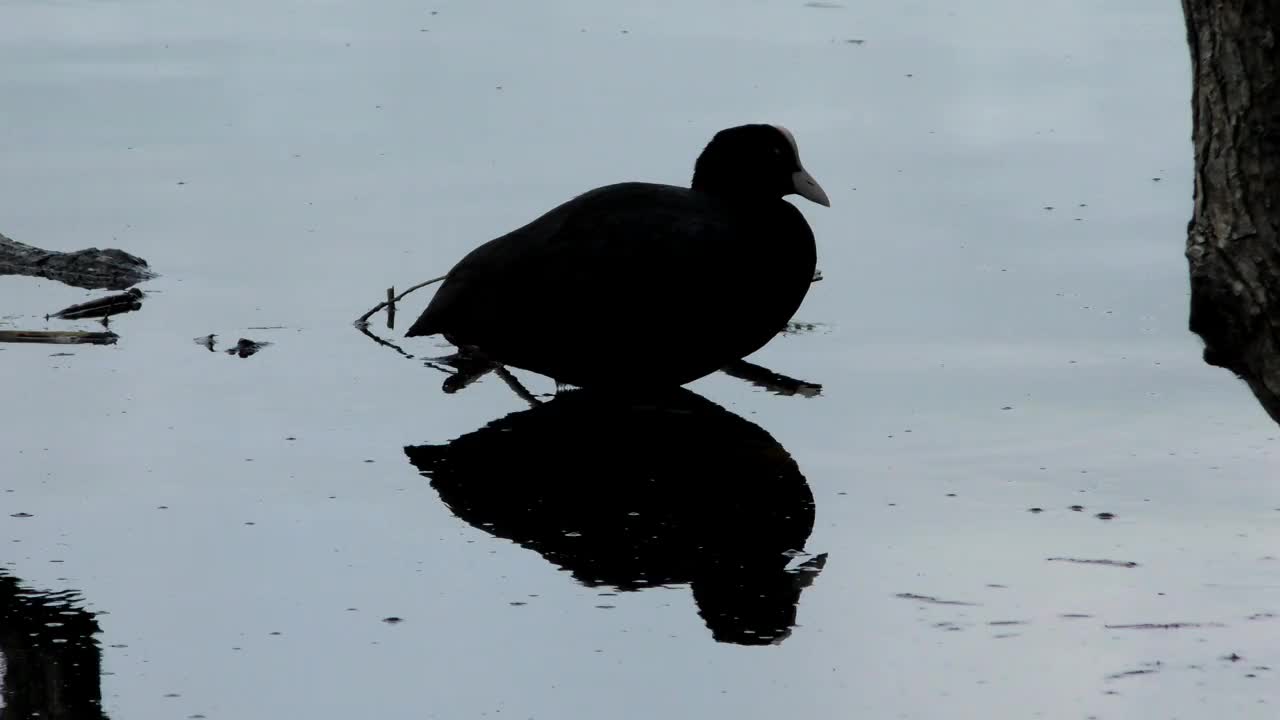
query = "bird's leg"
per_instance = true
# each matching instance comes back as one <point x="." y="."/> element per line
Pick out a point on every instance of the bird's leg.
<point x="468" y="365"/>
<point x="461" y="379"/>
<point x="516" y="386"/>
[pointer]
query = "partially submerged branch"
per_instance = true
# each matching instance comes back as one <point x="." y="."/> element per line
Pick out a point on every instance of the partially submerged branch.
<point x="391" y="301"/>
<point x="102" y="307"/>
<point x="91" y="268"/>
<point x="59" y="337"/>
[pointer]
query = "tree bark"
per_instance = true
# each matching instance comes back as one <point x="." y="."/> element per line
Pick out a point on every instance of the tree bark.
<point x="1233" y="239"/>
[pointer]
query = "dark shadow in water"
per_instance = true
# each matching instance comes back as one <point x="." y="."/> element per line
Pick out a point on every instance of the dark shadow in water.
<point x="52" y="662"/>
<point x="633" y="495"/>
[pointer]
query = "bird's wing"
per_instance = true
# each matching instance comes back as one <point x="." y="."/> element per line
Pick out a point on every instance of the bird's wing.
<point x="648" y="243"/>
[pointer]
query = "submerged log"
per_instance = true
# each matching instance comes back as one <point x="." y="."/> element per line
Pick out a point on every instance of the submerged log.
<point x="59" y="337"/>
<point x="91" y="268"/>
<point x="1233" y="239"/>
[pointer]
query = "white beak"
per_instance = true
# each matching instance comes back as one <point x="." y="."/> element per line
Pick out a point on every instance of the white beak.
<point x="808" y="188"/>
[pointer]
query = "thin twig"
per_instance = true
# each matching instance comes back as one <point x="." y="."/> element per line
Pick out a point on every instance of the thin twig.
<point x="364" y="319"/>
<point x="364" y="329"/>
<point x="391" y="308"/>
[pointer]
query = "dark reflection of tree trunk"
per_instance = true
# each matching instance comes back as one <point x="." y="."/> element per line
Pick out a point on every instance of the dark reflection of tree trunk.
<point x="1233" y="243"/>
<point x="52" y="663"/>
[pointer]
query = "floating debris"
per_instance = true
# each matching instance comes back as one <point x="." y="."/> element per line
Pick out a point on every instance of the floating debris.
<point x="207" y="341"/>
<point x="1160" y="626"/>
<point x="1090" y="561"/>
<point x="245" y="347"/>
<point x="59" y="337"/>
<point x="1132" y="673"/>
<point x="797" y="328"/>
<point x="932" y="600"/>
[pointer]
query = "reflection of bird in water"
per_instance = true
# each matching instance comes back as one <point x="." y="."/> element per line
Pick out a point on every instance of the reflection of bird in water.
<point x="641" y="494"/>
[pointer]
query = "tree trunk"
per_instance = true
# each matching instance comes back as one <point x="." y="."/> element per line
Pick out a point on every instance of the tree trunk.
<point x="1233" y="240"/>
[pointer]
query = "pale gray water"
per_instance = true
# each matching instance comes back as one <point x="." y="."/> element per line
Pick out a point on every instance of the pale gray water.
<point x="282" y="163"/>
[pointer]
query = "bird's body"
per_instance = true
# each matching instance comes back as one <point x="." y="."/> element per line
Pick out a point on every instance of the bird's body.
<point x="631" y="285"/>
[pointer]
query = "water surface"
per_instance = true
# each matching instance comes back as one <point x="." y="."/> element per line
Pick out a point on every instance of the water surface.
<point x="1001" y="328"/>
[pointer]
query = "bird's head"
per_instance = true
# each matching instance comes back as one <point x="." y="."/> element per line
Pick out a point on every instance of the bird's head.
<point x="755" y="161"/>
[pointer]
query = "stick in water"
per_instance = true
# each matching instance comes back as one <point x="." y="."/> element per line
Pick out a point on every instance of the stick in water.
<point x="364" y="319"/>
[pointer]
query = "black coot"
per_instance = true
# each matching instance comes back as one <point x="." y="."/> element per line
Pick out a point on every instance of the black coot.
<point x="640" y="284"/>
